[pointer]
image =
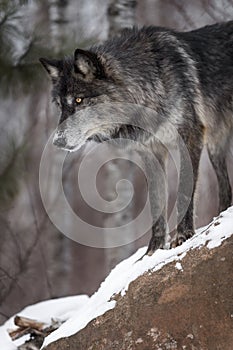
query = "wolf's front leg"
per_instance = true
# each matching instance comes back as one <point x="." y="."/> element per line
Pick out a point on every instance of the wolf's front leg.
<point x="192" y="147"/>
<point x="157" y="186"/>
<point x="158" y="238"/>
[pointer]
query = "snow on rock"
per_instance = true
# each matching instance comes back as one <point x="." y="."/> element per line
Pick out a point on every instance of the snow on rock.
<point x="58" y="309"/>
<point x="179" y="266"/>
<point x="122" y="275"/>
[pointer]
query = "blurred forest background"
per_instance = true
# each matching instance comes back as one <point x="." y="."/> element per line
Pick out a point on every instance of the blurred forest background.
<point x="37" y="262"/>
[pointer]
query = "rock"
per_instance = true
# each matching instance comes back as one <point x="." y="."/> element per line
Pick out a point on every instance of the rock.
<point x="186" y="305"/>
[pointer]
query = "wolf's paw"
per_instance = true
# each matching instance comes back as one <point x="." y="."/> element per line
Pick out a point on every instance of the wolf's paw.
<point x="180" y="238"/>
<point x="155" y="243"/>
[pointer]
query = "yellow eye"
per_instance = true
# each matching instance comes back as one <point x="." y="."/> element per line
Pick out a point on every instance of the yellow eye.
<point x="78" y="100"/>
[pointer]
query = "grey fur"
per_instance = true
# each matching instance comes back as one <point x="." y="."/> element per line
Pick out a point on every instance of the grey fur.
<point x="151" y="85"/>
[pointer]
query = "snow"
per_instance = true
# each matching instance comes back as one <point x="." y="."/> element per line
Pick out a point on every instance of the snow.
<point x="79" y="311"/>
<point x="58" y="309"/>
<point x="179" y="266"/>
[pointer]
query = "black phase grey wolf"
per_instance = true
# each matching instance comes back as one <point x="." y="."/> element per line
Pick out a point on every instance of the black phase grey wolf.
<point x="184" y="78"/>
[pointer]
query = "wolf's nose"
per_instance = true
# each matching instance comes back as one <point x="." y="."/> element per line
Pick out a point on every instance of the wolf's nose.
<point x="59" y="142"/>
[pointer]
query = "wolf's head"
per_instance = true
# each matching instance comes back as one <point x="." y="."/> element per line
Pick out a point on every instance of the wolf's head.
<point x="86" y="89"/>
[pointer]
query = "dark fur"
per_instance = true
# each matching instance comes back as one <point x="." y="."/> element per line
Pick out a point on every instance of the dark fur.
<point x="185" y="78"/>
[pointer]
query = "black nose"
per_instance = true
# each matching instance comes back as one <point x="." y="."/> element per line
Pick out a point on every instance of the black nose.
<point x="60" y="142"/>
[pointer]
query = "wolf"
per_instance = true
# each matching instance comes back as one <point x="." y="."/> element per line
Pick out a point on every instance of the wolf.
<point x="184" y="79"/>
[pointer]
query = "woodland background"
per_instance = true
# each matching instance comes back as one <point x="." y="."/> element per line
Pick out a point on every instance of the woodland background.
<point x="37" y="262"/>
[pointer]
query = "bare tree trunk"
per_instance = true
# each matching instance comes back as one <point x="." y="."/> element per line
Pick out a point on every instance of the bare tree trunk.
<point x="121" y="14"/>
<point x="59" y="24"/>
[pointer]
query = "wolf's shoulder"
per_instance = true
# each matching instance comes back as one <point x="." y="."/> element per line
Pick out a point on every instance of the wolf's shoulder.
<point x="131" y="37"/>
<point x="136" y="40"/>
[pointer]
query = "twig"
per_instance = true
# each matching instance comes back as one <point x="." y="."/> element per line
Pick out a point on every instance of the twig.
<point x="26" y="322"/>
<point x="34" y="328"/>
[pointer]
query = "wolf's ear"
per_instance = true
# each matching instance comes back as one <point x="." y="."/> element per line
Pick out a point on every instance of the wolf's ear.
<point x="88" y="65"/>
<point x="52" y="67"/>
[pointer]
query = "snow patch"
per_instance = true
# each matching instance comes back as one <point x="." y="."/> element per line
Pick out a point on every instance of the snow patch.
<point x="179" y="266"/>
<point x="59" y="309"/>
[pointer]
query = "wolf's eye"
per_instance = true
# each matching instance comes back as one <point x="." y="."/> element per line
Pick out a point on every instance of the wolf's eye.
<point x="79" y="100"/>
